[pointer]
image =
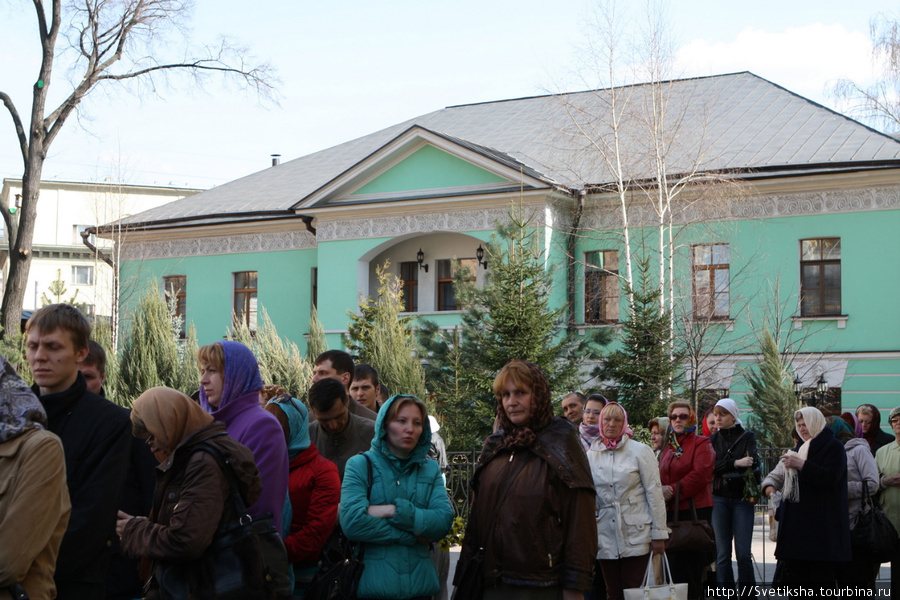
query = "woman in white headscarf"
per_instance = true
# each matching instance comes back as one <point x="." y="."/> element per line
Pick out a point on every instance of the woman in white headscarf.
<point x="733" y="504"/>
<point x="814" y="527"/>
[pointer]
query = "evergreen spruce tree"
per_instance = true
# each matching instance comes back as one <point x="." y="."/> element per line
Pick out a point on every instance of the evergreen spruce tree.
<point x="509" y="317"/>
<point x="644" y="369"/>
<point x="316" y="343"/>
<point x="280" y="362"/>
<point x="188" y="369"/>
<point x="149" y="354"/>
<point x="773" y="401"/>
<point x="380" y="337"/>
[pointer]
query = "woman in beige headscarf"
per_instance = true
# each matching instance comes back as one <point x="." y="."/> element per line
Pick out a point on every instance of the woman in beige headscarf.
<point x="192" y="495"/>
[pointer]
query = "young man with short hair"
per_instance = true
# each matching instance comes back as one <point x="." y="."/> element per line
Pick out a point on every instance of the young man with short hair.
<point x="337" y="433"/>
<point x="365" y="387"/>
<point x="96" y="437"/>
<point x="338" y="364"/>
<point x="93" y="368"/>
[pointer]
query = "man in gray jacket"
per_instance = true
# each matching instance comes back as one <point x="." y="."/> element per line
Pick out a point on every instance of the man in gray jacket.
<point x="337" y="433"/>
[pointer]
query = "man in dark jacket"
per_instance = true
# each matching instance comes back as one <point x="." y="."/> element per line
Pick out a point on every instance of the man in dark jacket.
<point x="96" y="440"/>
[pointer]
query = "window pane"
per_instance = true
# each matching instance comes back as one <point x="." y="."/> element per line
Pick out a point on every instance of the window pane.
<point x="611" y="260"/>
<point x="832" y="275"/>
<point x="467" y="265"/>
<point x="831" y="248"/>
<point x="593" y="260"/>
<point x="721" y="254"/>
<point x="723" y="308"/>
<point x="702" y="255"/>
<point x="809" y="304"/>
<point x="810" y="279"/>
<point x="721" y="278"/>
<point x="443" y="269"/>
<point x="809" y="250"/>
<point x="833" y="301"/>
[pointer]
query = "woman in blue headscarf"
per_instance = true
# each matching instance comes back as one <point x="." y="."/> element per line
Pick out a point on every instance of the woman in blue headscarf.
<point x="229" y="391"/>
<point x="314" y="491"/>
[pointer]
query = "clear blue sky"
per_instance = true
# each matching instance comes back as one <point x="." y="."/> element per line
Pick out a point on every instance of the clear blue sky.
<point x="350" y="67"/>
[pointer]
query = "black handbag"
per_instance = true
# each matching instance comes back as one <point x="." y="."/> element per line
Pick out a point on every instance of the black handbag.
<point x="469" y="579"/>
<point x="695" y="535"/>
<point x="276" y="568"/>
<point x="341" y="564"/>
<point x="874" y="535"/>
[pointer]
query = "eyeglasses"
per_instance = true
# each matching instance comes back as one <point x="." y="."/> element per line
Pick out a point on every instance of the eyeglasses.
<point x="591" y="412"/>
<point x="148" y="440"/>
<point x="679" y="417"/>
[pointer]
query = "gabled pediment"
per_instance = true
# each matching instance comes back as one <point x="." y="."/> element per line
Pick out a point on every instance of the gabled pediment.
<point x="421" y="164"/>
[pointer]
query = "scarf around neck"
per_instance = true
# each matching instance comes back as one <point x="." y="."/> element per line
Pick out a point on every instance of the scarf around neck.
<point x="815" y="423"/>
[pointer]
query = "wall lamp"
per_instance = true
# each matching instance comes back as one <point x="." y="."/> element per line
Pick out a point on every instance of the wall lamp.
<point x="817" y="396"/>
<point x="479" y="254"/>
<point x="420" y="258"/>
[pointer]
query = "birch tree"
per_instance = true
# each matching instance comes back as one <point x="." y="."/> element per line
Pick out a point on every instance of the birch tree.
<point x="103" y="43"/>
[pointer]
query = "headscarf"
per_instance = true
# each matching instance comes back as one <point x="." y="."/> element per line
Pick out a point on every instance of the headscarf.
<point x="588" y="433"/>
<point x="704" y="423"/>
<point x="840" y="429"/>
<point x="689" y="428"/>
<point x="169" y="416"/>
<point x="612" y="443"/>
<point x="876" y="424"/>
<point x="515" y="436"/>
<point x="20" y="410"/>
<point x="853" y="423"/>
<point x="298" y="423"/>
<point x="240" y="378"/>
<point x="732" y="407"/>
<point x="815" y="423"/>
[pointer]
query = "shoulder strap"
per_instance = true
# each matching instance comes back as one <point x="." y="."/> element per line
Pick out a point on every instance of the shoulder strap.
<point x="228" y="471"/>
<point x="740" y="437"/>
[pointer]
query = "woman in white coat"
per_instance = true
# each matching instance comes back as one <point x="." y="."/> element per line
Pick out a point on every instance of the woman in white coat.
<point x="631" y="512"/>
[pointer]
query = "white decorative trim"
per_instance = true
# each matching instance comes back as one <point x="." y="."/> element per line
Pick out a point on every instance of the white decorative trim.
<point x="210" y="246"/>
<point x="469" y="220"/>
<point x="841" y="320"/>
<point x="606" y="215"/>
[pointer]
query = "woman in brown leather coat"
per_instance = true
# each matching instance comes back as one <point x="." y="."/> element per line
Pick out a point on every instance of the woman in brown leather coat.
<point x="192" y="496"/>
<point x="542" y="542"/>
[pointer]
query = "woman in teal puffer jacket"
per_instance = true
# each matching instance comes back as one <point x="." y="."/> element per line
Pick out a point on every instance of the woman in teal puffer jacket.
<point x="402" y="510"/>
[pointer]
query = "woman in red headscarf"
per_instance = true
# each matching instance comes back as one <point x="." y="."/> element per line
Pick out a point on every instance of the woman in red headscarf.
<point x="686" y="467"/>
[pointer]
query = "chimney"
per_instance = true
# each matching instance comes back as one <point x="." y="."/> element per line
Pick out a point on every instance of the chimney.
<point x="276" y="160"/>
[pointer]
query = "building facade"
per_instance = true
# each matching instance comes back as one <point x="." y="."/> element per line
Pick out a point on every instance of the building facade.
<point x="775" y="213"/>
<point x="61" y="261"/>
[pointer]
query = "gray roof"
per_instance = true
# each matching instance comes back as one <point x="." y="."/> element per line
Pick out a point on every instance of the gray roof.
<point x="737" y="122"/>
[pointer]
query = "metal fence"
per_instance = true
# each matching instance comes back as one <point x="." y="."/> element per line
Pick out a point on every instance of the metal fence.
<point x="462" y="466"/>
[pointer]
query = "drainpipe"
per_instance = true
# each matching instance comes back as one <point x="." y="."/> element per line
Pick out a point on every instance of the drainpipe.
<point x="97" y="252"/>
<point x="308" y="222"/>
<point x="571" y="260"/>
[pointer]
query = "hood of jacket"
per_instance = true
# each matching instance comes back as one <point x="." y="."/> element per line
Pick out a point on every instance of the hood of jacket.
<point x="855" y="442"/>
<point x="298" y="424"/>
<point x="379" y="441"/>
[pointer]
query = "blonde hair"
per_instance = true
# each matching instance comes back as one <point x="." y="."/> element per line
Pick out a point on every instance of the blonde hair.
<point x="212" y="355"/>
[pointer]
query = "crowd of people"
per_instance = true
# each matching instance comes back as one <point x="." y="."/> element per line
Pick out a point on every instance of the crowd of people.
<point x="98" y="501"/>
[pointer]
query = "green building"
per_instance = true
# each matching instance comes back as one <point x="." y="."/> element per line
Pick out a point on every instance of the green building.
<point x="774" y="212"/>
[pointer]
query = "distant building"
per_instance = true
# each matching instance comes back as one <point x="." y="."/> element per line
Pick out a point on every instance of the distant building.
<point x="809" y="230"/>
<point x="65" y="210"/>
